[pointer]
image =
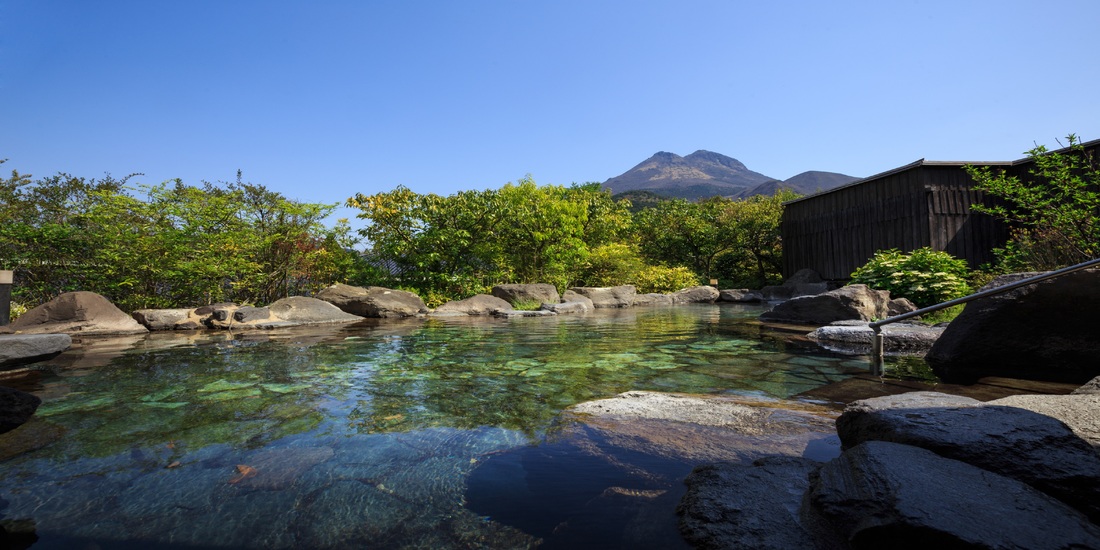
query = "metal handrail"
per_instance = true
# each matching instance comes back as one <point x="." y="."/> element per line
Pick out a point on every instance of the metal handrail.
<point x="877" y="343"/>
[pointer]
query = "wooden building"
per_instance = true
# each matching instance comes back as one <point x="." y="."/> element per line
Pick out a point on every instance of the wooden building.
<point x="926" y="203"/>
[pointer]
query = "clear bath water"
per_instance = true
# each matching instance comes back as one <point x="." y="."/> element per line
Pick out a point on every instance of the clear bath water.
<point x="362" y="436"/>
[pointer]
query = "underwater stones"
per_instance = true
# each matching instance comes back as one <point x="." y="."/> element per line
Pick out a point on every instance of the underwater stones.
<point x="881" y="494"/>
<point x="16" y="408"/>
<point x="77" y="313"/>
<point x="536" y="293"/>
<point x="1033" y="448"/>
<point x="1042" y="331"/>
<point x="730" y="505"/>
<point x="698" y="428"/>
<point x="480" y="304"/>
<point x="374" y="301"/>
<point x="696" y="295"/>
<point x="608" y="297"/>
<point x="277" y="469"/>
<point x="23" y="349"/>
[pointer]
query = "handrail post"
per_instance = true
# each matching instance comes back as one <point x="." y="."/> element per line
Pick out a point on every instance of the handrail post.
<point x="5" y="296"/>
<point x="877" y="352"/>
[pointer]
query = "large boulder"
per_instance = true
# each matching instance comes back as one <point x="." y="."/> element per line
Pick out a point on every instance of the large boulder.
<point x="567" y="307"/>
<point x="742" y="295"/>
<point x="805" y="282"/>
<point x="374" y="301"/>
<point x="573" y="296"/>
<point x="731" y="505"/>
<point x="1017" y="443"/>
<point x="653" y="299"/>
<point x="696" y="295"/>
<point x="16" y="408"/>
<point x="526" y="294"/>
<point x="77" y="313"/>
<point x="1043" y="331"/>
<point x="308" y="311"/>
<point x="857" y="302"/>
<point x="608" y="297"/>
<point x="22" y="349"/>
<point x="480" y="304"/>
<point x="1081" y="411"/>
<point x="886" y="495"/>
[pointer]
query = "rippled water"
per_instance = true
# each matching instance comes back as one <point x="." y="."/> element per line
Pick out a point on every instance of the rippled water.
<point x="357" y="436"/>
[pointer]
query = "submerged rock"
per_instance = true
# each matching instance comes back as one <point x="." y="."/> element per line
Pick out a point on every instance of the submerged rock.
<point x="881" y="495"/>
<point x="23" y="349"/>
<point x="730" y="505"/>
<point x="16" y="408"/>
<point x="77" y="313"/>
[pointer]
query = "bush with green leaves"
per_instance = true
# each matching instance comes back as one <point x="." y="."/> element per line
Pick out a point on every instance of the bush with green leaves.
<point x="924" y="276"/>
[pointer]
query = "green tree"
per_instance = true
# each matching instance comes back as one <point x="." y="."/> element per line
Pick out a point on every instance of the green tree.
<point x="1054" y="211"/>
<point x="682" y="233"/>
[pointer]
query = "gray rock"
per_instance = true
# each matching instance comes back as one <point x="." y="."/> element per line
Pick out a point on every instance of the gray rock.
<point x="567" y="307"/>
<point x="571" y="296"/>
<point x="374" y="301"/>
<point x="16" y="408"/>
<point x="77" y="313"/>
<point x="1081" y="412"/>
<point x="249" y="314"/>
<point x="525" y="313"/>
<point x="881" y="495"/>
<point x="740" y="295"/>
<point x="696" y="295"/>
<point x="1043" y="331"/>
<point x="849" y="302"/>
<point x="309" y="311"/>
<point x="23" y="349"/>
<point x="169" y="319"/>
<point x="777" y="293"/>
<point x="899" y="306"/>
<point x="480" y="304"/>
<point x="804" y="276"/>
<point x="856" y="337"/>
<point x="729" y="505"/>
<point x="608" y="297"/>
<point x="653" y="299"/>
<point x="1090" y="387"/>
<point x="1032" y="448"/>
<point x="536" y="293"/>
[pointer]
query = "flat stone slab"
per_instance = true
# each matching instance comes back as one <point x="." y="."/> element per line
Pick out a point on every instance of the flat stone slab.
<point x="1032" y="448"/>
<point x="24" y="349"/>
<point x="856" y="338"/>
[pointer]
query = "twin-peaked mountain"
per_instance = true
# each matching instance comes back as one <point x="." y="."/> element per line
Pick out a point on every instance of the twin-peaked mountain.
<point x="704" y="174"/>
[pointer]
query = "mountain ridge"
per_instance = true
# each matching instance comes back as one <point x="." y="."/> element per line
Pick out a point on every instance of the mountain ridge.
<point x="704" y="174"/>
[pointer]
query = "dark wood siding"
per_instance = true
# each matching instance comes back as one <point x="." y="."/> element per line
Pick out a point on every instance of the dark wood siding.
<point x="909" y="208"/>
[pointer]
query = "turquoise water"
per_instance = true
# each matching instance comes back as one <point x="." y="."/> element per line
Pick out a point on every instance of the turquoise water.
<point x="355" y="436"/>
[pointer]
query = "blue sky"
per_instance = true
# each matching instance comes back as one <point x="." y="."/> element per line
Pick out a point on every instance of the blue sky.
<point x="321" y="100"/>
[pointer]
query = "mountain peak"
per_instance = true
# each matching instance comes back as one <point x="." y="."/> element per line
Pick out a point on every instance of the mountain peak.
<point x="699" y="175"/>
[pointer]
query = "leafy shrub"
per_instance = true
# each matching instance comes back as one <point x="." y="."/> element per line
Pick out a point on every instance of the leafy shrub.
<point x="612" y="264"/>
<point x="17" y="309"/>
<point x="658" y="278"/>
<point x="925" y="276"/>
